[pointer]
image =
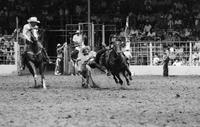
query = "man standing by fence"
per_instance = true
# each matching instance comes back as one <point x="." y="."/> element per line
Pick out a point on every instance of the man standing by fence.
<point x="165" y="64"/>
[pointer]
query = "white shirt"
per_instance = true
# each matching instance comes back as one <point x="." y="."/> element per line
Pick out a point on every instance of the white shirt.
<point x="27" y="31"/>
<point x="78" y="38"/>
<point x="156" y="60"/>
<point x="147" y="28"/>
<point x="84" y="58"/>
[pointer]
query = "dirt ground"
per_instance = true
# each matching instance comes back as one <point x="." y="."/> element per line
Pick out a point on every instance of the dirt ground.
<point x="150" y="101"/>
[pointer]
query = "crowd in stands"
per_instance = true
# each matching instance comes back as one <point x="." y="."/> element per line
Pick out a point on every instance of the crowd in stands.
<point x="6" y="52"/>
<point x="165" y="19"/>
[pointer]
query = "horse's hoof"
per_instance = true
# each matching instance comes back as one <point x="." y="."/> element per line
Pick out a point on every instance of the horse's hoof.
<point x="84" y="85"/>
<point x="121" y="83"/>
<point x="116" y="82"/>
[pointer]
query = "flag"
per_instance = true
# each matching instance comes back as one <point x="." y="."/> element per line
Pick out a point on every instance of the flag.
<point x="126" y="27"/>
<point x="127" y="21"/>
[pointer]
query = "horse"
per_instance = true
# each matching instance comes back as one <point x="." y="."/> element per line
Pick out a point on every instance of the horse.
<point x="34" y="58"/>
<point x="115" y="61"/>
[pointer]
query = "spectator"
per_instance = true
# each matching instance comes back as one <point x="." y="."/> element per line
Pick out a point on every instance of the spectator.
<point x="177" y="62"/>
<point x="195" y="58"/>
<point x="78" y="40"/>
<point x="59" y="59"/>
<point x="165" y="64"/>
<point x="156" y="60"/>
<point x="147" y="27"/>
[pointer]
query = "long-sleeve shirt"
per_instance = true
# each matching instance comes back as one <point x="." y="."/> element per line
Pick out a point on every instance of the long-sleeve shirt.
<point x="27" y="31"/>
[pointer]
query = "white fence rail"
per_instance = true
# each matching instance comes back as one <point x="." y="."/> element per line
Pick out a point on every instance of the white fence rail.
<point x="185" y="53"/>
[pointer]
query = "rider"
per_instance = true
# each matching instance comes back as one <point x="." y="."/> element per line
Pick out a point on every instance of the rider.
<point x="59" y="58"/>
<point x="78" y="40"/>
<point x="31" y="30"/>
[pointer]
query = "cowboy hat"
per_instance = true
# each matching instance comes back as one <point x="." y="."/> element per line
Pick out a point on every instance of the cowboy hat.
<point x="78" y="31"/>
<point x="58" y="45"/>
<point x="33" y="19"/>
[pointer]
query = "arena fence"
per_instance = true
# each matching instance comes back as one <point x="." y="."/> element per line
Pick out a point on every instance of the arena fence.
<point x="183" y="53"/>
<point x="8" y="55"/>
<point x="185" y="56"/>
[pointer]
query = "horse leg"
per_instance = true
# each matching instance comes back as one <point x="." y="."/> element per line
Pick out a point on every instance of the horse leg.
<point x="89" y="75"/>
<point x="77" y="68"/>
<point x="73" y="67"/>
<point x="127" y="80"/>
<point x="115" y="78"/>
<point x="129" y="72"/>
<point x="41" y="71"/>
<point x="84" y="82"/>
<point x="84" y="79"/>
<point x="32" y="69"/>
<point x="120" y="80"/>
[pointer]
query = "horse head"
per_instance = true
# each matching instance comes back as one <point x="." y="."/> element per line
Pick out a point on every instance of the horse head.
<point x="117" y="48"/>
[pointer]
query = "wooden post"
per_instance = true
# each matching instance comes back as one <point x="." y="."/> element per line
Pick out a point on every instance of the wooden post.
<point x="92" y="36"/>
<point x="190" y="59"/>
<point x="151" y="54"/>
<point x="103" y="35"/>
<point x="66" y="61"/>
<point x="17" y="49"/>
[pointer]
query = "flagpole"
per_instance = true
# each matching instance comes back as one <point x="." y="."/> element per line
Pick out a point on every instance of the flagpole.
<point x="126" y="28"/>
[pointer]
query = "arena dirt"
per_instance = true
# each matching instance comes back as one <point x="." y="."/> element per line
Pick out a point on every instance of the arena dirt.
<point x="150" y="101"/>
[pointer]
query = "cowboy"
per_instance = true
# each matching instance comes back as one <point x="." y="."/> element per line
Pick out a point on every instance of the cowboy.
<point x="85" y="57"/>
<point x="78" y="40"/>
<point x="166" y="60"/>
<point x="59" y="58"/>
<point x="30" y="34"/>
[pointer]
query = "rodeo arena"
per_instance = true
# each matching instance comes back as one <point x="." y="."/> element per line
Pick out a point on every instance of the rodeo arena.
<point x="99" y="63"/>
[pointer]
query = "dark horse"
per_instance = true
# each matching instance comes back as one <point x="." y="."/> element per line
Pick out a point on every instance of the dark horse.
<point x="116" y="62"/>
<point x="34" y="59"/>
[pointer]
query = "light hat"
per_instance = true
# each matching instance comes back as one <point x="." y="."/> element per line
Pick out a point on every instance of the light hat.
<point x="33" y="19"/>
<point x="78" y="31"/>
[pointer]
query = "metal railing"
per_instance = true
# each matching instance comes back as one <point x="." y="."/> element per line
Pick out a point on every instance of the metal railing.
<point x="181" y="53"/>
